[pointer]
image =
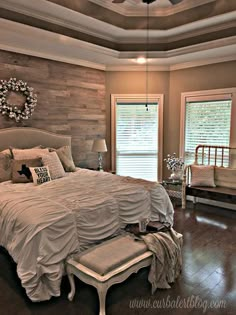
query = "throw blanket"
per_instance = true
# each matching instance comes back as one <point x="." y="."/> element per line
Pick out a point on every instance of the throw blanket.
<point x="167" y="259"/>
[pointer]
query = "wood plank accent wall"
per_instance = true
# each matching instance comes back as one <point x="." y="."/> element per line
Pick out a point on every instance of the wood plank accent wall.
<point x="71" y="100"/>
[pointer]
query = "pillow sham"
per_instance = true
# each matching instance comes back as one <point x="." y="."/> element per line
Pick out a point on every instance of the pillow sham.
<point x="21" y="170"/>
<point x="202" y="175"/>
<point x="54" y="164"/>
<point x="65" y="156"/>
<point x="40" y="175"/>
<point x="21" y="154"/>
<point x="225" y="177"/>
<point x="5" y="165"/>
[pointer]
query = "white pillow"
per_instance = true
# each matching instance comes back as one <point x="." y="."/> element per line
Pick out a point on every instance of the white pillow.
<point x="202" y="175"/>
<point x="40" y="174"/>
<point x="54" y="164"/>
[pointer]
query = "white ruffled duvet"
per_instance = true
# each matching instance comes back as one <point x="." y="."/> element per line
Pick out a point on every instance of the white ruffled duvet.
<point x="41" y="226"/>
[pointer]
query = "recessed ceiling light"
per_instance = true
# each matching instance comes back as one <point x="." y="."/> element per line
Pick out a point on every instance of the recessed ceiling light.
<point x="141" y="60"/>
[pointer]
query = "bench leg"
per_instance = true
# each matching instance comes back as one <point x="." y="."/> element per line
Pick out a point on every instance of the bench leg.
<point x="183" y="197"/>
<point x="72" y="286"/>
<point x="102" y="292"/>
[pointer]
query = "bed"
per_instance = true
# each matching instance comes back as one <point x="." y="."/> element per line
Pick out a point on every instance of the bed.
<point x="43" y="225"/>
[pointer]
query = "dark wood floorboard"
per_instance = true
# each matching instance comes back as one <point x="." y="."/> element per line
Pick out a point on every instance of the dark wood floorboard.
<point x="208" y="276"/>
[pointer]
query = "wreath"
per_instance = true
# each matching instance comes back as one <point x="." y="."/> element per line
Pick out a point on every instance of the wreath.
<point x="11" y="110"/>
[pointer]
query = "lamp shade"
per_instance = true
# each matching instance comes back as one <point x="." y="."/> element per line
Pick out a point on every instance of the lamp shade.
<point x="99" y="145"/>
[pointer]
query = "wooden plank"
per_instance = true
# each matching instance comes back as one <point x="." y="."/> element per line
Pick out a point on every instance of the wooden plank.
<point x="71" y="100"/>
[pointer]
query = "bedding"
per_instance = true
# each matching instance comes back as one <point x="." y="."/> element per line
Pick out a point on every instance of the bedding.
<point x="42" y="225"/>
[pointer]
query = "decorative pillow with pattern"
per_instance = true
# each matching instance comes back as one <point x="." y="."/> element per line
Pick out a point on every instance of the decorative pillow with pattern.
<point x="21" y="154"/>
<point x="40" y="175"/>
<point x="65" y="156"/>
<point x="5" y="165"/>
<point x="202" y="175"/>
<point x="21" y="170"/>
<point x="54" y="164"/>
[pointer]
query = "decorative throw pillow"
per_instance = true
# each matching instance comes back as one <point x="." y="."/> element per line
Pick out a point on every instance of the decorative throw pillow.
<point x="33" y="153"/>
<point x="21" y="170"/>
<point x="40" y="175"/>
<point x="202" y="175"/>
<point x="54" y="164"/>
<point x="225" y="177"/>
<point x="65" y="156"/>
<point x="5" y="165"/>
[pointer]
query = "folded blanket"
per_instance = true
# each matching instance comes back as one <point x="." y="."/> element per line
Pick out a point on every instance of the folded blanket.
<point x="167" y="259"/>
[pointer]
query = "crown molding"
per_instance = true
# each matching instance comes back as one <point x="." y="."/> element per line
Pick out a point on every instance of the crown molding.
<point x="46" y="55"/>
<point x="56" y="14"/>
<point x="140" y="10"/>
<point x="17" y="37"/>
<point x="26" y="39"/>
<point x="180" y="66"/>
<point x="218" y="43"/>
<point x="213" y="24"/>
<point x="137" y="68"/>
<point x="203" y="62"/>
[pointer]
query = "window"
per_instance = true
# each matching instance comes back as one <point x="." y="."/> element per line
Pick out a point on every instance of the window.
<point x="136" y="140"/>
<point x="207" y="118"/>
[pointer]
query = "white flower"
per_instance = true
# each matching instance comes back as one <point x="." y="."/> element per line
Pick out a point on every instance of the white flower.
<point x="174" y="163"/>
<point x="12" y="110"/>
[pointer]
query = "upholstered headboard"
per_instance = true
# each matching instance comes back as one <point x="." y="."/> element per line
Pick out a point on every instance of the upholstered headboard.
<point x="26" y="137"/>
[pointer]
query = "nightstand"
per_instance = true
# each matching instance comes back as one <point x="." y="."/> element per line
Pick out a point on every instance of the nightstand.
<point x="112" y="172"/>
<point x="174" y="190"/>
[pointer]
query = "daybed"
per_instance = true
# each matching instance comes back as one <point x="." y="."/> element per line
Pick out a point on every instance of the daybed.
<point x="212" y="175"/>
<point x="43" y="225"/>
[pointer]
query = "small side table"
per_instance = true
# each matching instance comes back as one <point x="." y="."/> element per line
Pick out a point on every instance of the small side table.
<point x="174" y="190"/>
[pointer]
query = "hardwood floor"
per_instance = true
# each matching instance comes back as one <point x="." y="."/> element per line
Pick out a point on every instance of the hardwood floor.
<point x="208" y="276"/>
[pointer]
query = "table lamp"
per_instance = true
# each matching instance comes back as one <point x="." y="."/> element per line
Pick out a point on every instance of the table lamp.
<point x="99" y="146"/>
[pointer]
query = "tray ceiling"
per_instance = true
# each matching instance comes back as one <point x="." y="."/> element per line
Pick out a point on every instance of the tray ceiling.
<point x="111" y="36"/>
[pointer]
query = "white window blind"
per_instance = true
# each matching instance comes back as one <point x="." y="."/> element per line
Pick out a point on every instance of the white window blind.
<point x="137" y="140"/>
<point x="206" y="122"/>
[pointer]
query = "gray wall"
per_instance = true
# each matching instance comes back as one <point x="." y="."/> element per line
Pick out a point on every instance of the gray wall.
<point x="71" y="100"/>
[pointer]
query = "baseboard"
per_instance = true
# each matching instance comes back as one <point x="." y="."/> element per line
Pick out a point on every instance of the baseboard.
<point x="213" y="203"/>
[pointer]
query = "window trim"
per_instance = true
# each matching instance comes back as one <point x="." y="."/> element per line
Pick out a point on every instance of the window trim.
<point x="138" y="98"/>
<point x="207" y="95"/>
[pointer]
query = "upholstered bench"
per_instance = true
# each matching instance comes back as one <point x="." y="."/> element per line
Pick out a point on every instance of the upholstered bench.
<point x="110" y="262"/>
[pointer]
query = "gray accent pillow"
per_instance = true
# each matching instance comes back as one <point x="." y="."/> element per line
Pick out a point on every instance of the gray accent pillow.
<point x="54" y="164"/>
<point x="21" y="170"/>
<point x="5" y="165"/>
<point x="65" y="156"/>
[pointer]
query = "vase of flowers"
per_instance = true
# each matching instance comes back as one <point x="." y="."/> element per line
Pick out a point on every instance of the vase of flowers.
<point x="175" y="165"/>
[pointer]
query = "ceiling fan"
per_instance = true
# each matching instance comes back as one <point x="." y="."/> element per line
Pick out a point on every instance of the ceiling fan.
<point x="148" y="1"/>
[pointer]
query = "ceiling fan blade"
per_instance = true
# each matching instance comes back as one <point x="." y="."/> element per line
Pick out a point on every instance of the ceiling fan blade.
<point x="148" y="1"/>
<point x="118" y="1"/>
<point x="175" y="1"/>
